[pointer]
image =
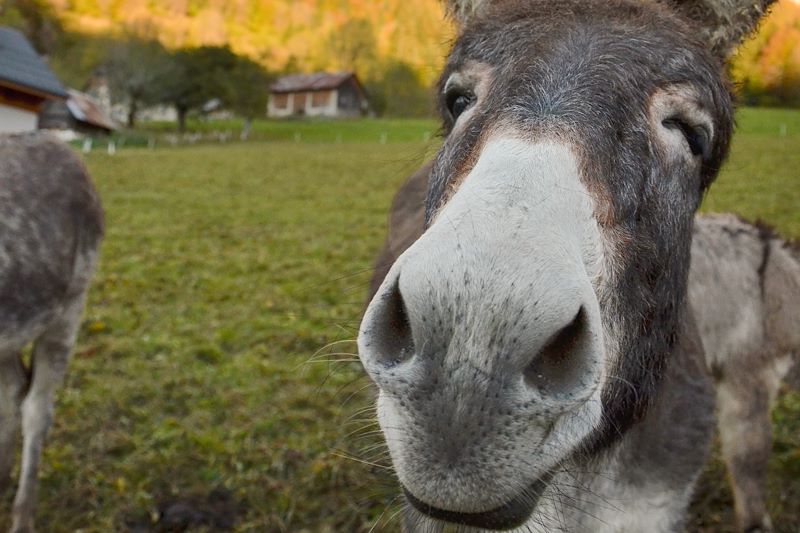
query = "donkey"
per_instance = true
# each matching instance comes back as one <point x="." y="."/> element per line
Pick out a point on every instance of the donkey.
<point x="51" y="224"/>
<point x="538" y="366"/>
<point x="744" y="290"/>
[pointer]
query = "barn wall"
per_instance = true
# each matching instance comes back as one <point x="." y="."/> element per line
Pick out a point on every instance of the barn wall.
<point x="16" y="120"/>
<point x="311" y="104"/>
<point x="299" y="103"/>
<point x="160" y="113"/>
<point x="321" y="104"/>
<point x="345" y="101"/>
<point x="55" y="115"/>
<point x="351" y="101"/>
<point x="274" y="111"/>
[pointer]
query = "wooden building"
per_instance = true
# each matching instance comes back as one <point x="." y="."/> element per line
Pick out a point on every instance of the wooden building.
<point x="79" y="113"/>
<point x="318" y="95"/>
<point x="26" y="83"/>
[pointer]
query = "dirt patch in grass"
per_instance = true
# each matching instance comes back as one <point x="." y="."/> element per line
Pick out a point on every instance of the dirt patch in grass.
<point x="216" y="511"/>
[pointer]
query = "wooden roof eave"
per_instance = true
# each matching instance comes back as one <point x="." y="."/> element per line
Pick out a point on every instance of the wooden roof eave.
<point x="33" y="92"/>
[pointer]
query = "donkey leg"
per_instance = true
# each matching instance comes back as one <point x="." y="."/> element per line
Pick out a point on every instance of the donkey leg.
<point x="48" y="364"/>
<point x="746" y="437"/>
<point x="13" y="381"/>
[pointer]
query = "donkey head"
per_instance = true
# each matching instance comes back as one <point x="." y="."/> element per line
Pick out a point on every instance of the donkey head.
<point x="529" y="326"/>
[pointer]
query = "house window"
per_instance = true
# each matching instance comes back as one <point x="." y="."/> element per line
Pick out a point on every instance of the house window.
<point x="280" y="101"/>
<point x="320" y="99"/>
<point x="299" y="103"/>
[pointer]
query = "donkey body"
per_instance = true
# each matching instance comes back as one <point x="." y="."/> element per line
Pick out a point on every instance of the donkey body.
<point x="744" y="287"/>
<point x="538" y="366"/>
<point x="51" y="224"/>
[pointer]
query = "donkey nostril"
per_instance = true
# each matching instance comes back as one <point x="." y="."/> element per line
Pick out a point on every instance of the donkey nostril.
<point x="559" y="366"/>
<point x="390" y="332"/>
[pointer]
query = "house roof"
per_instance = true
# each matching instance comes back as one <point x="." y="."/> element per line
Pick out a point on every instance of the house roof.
<point x="86" y="109"/>
<point x="22" y="67"/>
<point x="318" y="81"/>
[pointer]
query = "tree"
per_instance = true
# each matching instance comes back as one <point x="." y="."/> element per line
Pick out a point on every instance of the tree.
<point x="249" y="91"/>
<point x="351" y="46"/>
<point x="782" y="77"/>
<point x="767" y="67"/>
<point x="399" y="92"/>
<point x="135" y="70"/>
<point x="197" y="75"/>
<point x="36" y="19"/>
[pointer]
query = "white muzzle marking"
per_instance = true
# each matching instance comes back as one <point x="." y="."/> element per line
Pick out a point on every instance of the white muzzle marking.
<point x="509" y="261"/>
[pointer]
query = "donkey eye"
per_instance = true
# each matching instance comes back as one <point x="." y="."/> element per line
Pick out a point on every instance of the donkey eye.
<point x="696" y="136"/>
<point x="458" y="101"/>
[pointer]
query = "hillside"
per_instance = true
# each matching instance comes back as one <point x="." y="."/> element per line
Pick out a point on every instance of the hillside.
<point x="396" y="46"/>
<point x="768" y="66"/>
<point x="306" y="34"/>
<point x="370" y="35"/>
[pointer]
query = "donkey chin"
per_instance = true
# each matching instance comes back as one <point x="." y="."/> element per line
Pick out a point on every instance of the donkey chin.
<point x="489" y="356"/>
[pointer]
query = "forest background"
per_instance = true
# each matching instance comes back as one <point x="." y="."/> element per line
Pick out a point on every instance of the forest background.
<point x="185" y="52"/>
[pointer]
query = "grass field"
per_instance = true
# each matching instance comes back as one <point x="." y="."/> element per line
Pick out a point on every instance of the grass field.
<point x="314" y="131"/>
<point x="201" y="377"/>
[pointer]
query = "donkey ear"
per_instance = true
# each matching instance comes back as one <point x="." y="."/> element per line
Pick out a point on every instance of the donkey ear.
<point x="726" y="23"/>
<point x="464" y="10"/>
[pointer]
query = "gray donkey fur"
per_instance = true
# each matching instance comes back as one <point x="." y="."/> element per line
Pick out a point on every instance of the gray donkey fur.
<point x="744" y="287"/>
<point x="51" y="225"/>
<point x="744" y="290"/>
<point x="727" y="21"/>
<point x="538" y="364"/>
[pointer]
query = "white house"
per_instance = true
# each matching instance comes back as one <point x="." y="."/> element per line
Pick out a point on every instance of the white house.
<point x="26" y="83"/>
<point x="317" y="95"/>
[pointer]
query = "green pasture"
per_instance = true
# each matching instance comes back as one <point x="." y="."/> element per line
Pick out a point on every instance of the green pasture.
<point x="294" y="130"/>
<point x="216" y="352"/>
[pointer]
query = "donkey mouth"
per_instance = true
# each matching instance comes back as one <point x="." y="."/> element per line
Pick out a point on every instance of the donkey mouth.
<point x="508" y="516"/>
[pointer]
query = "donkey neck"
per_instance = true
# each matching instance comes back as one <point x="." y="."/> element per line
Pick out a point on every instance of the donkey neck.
<point x="644" y="481"/>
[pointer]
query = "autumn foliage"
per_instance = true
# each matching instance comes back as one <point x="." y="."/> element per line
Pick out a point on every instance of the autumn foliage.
<point x="768" y="66"/>
<point x="397" y="47"/>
